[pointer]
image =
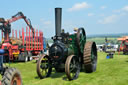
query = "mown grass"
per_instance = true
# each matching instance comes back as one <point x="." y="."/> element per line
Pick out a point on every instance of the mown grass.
<point x="102" y="40"/>
<point x="109" y="72"/>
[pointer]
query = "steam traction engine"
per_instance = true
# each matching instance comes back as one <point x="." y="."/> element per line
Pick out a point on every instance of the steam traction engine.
<point x="69" y="53"/>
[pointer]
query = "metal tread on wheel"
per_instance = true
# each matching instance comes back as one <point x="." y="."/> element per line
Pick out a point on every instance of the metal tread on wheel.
<point x="90" y="57"/>
<point x="11" y="77"/>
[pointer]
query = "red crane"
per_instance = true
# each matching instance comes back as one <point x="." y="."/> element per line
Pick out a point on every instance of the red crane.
<point x="5" y="25"/>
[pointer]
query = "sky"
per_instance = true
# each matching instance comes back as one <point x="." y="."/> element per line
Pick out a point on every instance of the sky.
<point x="96" y="16"/>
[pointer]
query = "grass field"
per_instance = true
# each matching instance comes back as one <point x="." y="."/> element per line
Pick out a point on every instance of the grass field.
<point x="109" y="72"/>
<point x="102" y="40"/>
<point x="98" y="40"/>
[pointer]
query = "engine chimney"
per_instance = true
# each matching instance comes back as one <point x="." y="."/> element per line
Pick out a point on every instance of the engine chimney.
<point x="58" y="14"/>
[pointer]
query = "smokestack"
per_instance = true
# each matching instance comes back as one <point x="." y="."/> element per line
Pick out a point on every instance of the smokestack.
<point x="58" y="14"/>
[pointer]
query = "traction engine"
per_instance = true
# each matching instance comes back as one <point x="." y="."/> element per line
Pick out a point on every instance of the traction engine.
<point x="69" y="53"/>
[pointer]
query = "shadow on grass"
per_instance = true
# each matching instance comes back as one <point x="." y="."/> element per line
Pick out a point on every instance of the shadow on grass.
<point x="16" y="61"/>
<point x="37" y="77"/>
<point x="56" y="75"/>
<point x="65" y="78"/>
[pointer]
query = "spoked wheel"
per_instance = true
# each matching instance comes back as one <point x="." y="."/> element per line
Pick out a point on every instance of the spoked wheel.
<point x="81" y="39"/>
<point x="72" y="67"/>
<point x="44" y="68"/>
<point x="90" y="57"/>
<point x="11" y="77"/>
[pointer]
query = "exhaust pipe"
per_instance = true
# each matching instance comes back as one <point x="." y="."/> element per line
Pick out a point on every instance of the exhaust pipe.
<point x="58" y="14"/>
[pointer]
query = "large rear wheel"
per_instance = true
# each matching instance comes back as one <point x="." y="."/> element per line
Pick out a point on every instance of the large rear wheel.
<point x="90" y="57"/>
<point x="81" y="39"/>
<point x="11" y="77"/>
<point x="72" y="67"/>
<point x="44" y="68"/>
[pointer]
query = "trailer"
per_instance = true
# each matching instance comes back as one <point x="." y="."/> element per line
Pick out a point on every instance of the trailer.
<point x="44" y="51"/>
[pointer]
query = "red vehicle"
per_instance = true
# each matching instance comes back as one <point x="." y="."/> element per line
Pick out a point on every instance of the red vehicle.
<point x="20" y="48"/>
<point x="124" y="44"/>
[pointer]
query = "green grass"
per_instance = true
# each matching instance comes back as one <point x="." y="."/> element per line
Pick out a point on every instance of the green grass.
<point x="102" y="40"/>
<point x="98" y="40"/>
<point x="109" y="72"/>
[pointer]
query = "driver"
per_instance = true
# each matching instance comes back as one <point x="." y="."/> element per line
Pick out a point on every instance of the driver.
<point x="75" y="30"/>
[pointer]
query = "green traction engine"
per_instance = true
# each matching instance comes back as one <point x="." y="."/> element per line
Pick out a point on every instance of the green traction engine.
<point x="69" y="53"/>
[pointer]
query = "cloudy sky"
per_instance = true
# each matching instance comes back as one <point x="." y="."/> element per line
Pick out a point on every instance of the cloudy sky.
<point x="96" y="16"/>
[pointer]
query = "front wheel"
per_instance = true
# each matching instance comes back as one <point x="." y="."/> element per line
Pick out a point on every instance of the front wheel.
<point x="44" y="68"/>
<point x="11" y="77"/>
<point x="72" y="67"/>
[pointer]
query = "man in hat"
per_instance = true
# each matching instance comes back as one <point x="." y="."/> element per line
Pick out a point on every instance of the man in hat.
<point x="75" y="30"/>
